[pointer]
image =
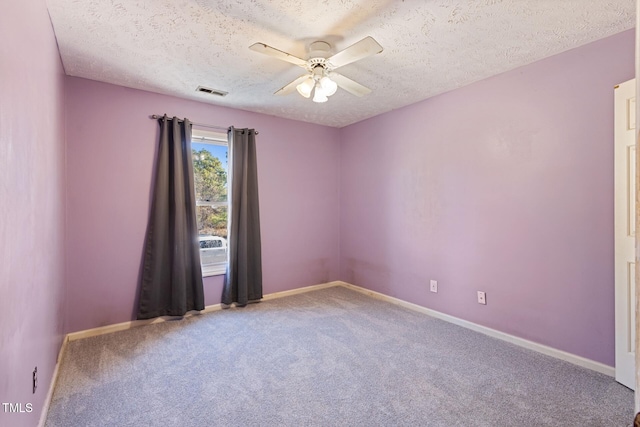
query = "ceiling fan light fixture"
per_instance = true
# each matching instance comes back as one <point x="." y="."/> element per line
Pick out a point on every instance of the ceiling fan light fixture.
<point x="329" y="87"/>
<point x="306" y="87"/>
<point x="319" y="95"/>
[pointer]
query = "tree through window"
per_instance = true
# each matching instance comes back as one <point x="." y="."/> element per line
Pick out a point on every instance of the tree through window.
<point x="210" y="159"/>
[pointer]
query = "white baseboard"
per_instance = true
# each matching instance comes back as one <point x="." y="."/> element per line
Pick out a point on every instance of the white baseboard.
<point x="108" y="329"/>
<point x="540" y="348"/>
<point x="549" y="351"/>
<point x="300" y="290"/>
<point x="208" y="309"/>
<point x="52" y="384"/>
<point x="135" y="323"/>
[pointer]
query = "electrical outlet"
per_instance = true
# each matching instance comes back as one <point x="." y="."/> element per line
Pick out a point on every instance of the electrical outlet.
<point x="35" y="379"/>
<point x="433" y="284"/>
<point x="482" y="298"/>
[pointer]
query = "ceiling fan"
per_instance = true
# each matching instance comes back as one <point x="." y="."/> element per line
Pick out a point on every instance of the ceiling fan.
<point x="320" y="78"/>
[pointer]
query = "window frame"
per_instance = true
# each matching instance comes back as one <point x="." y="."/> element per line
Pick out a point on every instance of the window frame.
<point x="202" y="136"/>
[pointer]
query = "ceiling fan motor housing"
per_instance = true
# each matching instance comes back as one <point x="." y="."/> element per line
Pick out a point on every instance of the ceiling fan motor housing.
<point x="319" y="69"/>
<point x="319" y="49"/>
<point x="317" y="63"/>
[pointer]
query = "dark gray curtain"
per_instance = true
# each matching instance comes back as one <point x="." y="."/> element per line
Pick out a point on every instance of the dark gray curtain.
<point x="171" y="281"/>
<point x="243" y="282"/>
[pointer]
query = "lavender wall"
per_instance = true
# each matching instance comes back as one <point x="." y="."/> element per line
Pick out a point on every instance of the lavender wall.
<point x="504" y="186"/>
<point x="31" y="206"/>
<point x="111" y="146"/>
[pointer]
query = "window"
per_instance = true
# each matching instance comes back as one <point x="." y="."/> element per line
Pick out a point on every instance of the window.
<point x="210" y="158"/>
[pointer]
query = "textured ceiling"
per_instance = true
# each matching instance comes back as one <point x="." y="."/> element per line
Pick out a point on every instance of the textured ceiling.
<point x="430" y="46"/>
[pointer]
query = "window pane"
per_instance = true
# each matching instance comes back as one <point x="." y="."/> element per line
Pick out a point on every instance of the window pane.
<point x="210" y="172"/>
<point x="210" y="181"/>
<point x="212" y="221"/>
<point x="212" y="234"/>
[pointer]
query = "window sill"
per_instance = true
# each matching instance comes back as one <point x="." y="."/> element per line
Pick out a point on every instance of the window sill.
<point x="215" y="270"/>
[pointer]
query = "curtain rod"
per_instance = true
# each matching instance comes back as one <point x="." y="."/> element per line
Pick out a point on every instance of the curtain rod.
<point x="203" y="125"/>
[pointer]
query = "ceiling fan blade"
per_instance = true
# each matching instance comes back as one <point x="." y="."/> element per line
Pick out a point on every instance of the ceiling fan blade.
<point x="271" y="51"/>
<point x="292" y="86"/>
<point x="349" y="85"/>
<point x="365" y="47"/>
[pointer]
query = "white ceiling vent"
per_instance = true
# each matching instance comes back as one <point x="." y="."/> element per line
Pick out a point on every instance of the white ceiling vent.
<point x="210" y="91"/>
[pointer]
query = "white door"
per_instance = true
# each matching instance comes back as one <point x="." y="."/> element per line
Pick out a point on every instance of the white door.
<point x="625" y="230"/>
